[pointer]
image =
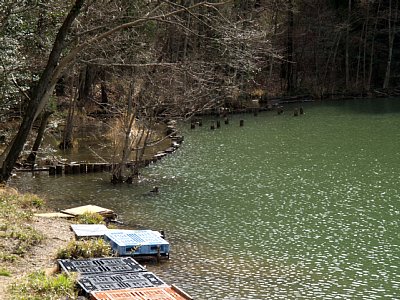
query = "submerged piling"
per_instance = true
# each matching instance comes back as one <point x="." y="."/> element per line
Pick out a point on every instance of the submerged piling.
<point x="82" y="168"/>
<point x="76" y="169"/>
<point x="59" y="169"/>
<point x="96" y="168"/>
<point x="90" y="168"/>
<point x="52" y="170"/>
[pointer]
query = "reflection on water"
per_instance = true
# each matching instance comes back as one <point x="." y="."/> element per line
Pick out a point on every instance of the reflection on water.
<point x="282" y="208"/>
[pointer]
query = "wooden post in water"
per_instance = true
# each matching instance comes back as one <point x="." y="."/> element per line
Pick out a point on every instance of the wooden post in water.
<point x="52" y="170"/>
<point x="76" y="169"/>
<point x="59" y="169"/>
<point x="90" y="168"/>
<point x="212" y="126"/>
<point x="241" y="123"/>
<point x="301" y="110"/>
<point x="226" y="121"/>
<point x="96" y="168"/>
<point x="68" y="169"/>
<point x="82" y="168"/>
<point x="218" y="123"/>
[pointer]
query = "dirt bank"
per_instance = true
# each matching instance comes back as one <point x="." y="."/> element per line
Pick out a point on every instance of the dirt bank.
<point x="57" y="234"/>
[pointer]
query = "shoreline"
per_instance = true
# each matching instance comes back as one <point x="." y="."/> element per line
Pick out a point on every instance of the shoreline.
<point x="56" y="234"/>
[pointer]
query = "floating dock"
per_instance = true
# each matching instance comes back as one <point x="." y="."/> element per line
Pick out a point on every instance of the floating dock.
<point x="119" y="278"/>
<point x="158" y="293"/>
<point x="122" y="277"/>
<point x="118" y="281"/>
<point x="89" y="230"/>
<point x="137" y="243"/>
<point x="94" y="266"/>
<point x="78" y="211"/>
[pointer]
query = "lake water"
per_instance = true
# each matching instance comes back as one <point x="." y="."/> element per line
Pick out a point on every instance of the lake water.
<point x="284" y="207"/>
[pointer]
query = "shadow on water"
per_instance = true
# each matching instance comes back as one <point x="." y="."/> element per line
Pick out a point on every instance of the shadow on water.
<point x="366" y="106"/>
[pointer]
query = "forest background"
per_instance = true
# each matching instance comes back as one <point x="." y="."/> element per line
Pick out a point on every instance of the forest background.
<point x="152" y="61"/>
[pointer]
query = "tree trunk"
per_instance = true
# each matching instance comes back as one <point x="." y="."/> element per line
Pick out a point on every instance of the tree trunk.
<point x="289" y="62"/>
<point x="43" y="123"/>
<point x="60" y="87"/>
<point x="38" y="93"/>
<point x="391" y="35"/>
<point x="140" y="151"/>
<point x="359" y="52"/>
<point x="104" y="97"/>
<point x="118" y="172"/>
<point x="347" y="46"/>
<point x="365" y="48"/>
<point x="271" y="65"/>
<point x="66" y="143"/>
<point x="371" y="59"/>
<point x="86" y="80"/>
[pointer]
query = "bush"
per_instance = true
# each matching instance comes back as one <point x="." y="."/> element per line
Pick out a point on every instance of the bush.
<point x="85" y="249"/>
<point x="90" y="218"/>
<point x="4" y="272"/>
<point x="31" y="201"/>
<point x="39" y="286"/>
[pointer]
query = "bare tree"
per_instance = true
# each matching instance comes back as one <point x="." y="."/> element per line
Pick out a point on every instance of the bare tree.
<point x="392" y="31"/>
<point x="57" y="63"/>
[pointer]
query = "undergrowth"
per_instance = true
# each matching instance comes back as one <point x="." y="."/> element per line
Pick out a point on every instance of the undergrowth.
<point x="85" y="249"/>
<point x="90" y="218"/>
<point x="39" y="286"/>
<point x="4" y="272"/>
<point x="17" y="236"/>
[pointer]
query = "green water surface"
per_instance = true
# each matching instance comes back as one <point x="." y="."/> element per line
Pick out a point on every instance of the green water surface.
<point x="284" y="207"/>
